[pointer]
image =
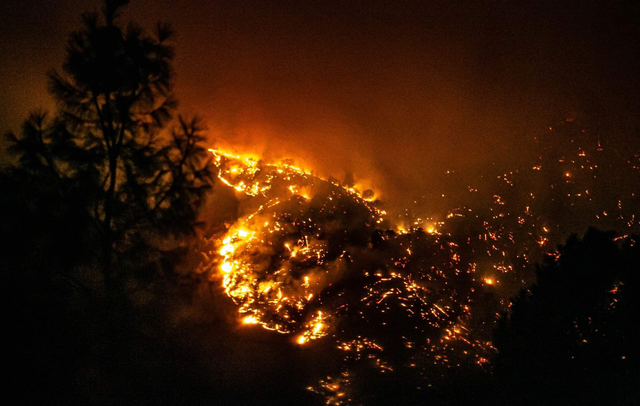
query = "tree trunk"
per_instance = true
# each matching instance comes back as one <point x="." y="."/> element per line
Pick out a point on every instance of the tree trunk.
<point x="109" y="272"/>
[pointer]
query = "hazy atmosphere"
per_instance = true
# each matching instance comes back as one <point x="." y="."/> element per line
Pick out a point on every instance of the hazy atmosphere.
<point x="395" y="92"/>
<point x="340" y="203"/>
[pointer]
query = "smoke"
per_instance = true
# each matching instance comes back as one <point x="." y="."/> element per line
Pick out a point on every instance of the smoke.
<point x="399" y="94"/>
<point x="396" y="93"/>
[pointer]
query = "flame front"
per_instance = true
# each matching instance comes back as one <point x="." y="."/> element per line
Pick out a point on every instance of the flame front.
<point x="273" y="261"/>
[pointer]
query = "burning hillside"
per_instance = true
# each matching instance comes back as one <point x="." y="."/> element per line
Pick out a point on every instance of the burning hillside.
<point x="320" y="262"/>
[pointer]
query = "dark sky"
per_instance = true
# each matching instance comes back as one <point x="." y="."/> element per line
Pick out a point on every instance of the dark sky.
<point x="395" y="91"/>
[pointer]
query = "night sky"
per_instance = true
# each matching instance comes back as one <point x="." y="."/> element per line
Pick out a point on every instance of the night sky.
<point x="393" y="92"/>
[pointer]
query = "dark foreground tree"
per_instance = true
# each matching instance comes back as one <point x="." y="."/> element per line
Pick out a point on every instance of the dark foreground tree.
<point x="572" y="339"/>
<point x="100" y="202"/>
<point x="108" y="145"/>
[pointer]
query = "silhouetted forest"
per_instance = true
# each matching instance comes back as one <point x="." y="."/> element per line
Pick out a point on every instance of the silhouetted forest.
<point x="99" y="208"/>
<point x="102" y="218"/>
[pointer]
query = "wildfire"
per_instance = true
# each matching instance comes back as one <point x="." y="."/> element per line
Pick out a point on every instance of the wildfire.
<point x="315" y="328"/>
<point x="263" y="251"/>
<point x="250" y="320"/>
<point x="320" y="261"/>
<point x="283" y="263"/>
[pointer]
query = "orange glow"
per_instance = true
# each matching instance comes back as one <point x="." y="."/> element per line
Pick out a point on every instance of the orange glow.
<point x="250" y="320"/>
<point x="226" y="267"/>
<point x="239" y="279"/>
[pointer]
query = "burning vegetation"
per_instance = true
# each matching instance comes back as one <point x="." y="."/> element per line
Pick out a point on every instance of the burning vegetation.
<point x="321" y="262"/>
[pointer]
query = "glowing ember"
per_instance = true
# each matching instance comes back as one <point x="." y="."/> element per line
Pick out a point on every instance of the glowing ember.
<point x="250" y="320"/>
